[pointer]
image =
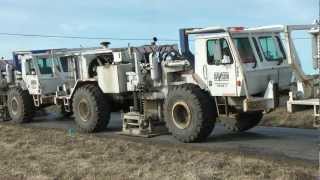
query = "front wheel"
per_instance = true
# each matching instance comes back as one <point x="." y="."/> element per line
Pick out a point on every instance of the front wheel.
<point x="189" y="113"/>
<point x="90" y="108"/>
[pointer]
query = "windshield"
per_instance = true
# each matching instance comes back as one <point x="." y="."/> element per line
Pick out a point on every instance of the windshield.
<point x="270" y="50"/>
<point x="45" y="65"/>
<point x="245" y="50"/>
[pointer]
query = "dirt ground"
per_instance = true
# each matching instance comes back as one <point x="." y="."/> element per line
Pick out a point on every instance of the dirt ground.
<point x="302" y="118"/>
<point x="40" y="154"/>
<point x="280" y="118"/>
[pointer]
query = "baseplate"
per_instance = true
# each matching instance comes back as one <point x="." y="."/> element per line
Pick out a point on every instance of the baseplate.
<point x="156" y="131"/>
<point x="146" y="135"/>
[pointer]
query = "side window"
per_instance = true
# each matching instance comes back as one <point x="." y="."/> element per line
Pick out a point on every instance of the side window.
<point x="56" y="64"/>
<point x="64" y="64"/>
<point x="269" y="49"/>
<point x="218" y="52"/>
<point x="245" y="50"/>
<point x="45" y="65"/>
<point x="30" y="70"/>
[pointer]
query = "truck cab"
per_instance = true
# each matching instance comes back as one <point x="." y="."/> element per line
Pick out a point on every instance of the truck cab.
<point x="238" y="63"/>
<point x="41" y="71"/>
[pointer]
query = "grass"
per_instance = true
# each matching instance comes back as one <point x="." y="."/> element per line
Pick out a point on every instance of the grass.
<point x="28" y="153"/>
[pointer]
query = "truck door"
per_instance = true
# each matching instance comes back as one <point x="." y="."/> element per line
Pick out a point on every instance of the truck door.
<point x="64" y="70"/>
<point x="220" y="70"/>
<point x="48" y="82"/>
<point x="29" y="75"/>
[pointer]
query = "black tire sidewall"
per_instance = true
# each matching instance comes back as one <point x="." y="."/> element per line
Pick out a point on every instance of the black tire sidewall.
<point x="19" y="115"/>
<point x="193" y="109"/>
<point x="97" y="105"/>
<point x="25" y="107"/>
<point x="202" y="110"/>
<point x="85" y="95"/>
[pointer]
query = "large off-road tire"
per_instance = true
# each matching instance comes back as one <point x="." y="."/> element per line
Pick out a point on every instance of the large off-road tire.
<point x="243" y="121"/>
<point x="190" y="113"/>
<point x="91" y="109"/>
<point x="20" y="105"/>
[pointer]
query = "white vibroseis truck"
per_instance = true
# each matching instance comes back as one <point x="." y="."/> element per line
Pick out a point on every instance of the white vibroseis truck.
<point x="234" y="73"/>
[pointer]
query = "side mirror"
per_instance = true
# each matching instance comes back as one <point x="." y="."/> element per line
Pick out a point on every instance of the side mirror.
<point x="226" y="60"/>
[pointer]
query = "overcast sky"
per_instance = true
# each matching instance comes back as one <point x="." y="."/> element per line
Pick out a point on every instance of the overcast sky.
<point x="139" y="19"/>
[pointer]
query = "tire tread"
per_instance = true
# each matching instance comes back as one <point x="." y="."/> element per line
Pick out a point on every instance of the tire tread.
<point x="202" y="102"/>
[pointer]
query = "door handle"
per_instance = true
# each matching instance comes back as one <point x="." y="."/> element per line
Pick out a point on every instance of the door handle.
<point x="204" y="72"/>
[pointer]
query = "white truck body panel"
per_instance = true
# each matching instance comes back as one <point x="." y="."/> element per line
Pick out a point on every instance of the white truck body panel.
<point x="113" y="78"/>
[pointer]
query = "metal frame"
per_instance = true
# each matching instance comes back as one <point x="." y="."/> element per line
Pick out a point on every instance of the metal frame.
<point x="305" y="82"/>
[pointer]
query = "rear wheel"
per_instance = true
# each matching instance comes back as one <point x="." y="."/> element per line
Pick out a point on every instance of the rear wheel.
<point x="90" y="108"/>
<point x="20" y="105"/>
<point x="189" y="113"/>
<point x="243" y="121"/>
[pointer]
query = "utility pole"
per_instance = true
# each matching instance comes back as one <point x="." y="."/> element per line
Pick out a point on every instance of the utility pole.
<point x="318" y="89"/>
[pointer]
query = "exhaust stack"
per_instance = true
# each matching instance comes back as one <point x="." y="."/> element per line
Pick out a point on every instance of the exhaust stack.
<point x="184" y="46"/>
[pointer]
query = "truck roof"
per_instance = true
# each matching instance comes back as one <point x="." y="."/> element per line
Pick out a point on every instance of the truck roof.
<point x="259" y="29"/>
<point x="90" y="50"/>
<point x="49" y="51"/>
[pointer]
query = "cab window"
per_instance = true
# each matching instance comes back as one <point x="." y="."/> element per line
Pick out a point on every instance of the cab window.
<point x="56" y="64"/>
<point x="64" y="63"/>
<point x="218" y="52"/>
<point x="45" y="65"/>
<point x="30" y="70"/>
<point x="270" y="49"/>
<point x="245" y="50"/>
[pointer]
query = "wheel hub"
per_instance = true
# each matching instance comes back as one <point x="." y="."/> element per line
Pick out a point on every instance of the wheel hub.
<point x="14" y="105"/>
<point x="181" y="115"/>
<point x="84" y="110"/>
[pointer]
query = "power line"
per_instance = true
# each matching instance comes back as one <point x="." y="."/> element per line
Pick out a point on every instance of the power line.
<point x="82" y="37"/>
<point x="101" y="38"/>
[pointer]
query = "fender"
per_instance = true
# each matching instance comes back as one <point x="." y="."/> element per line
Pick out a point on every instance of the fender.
<point x="80" y="83"/>
<point x="193" y="78"/>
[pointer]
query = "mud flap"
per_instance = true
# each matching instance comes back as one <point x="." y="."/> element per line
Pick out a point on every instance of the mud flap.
<point x="266" y="103"/>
